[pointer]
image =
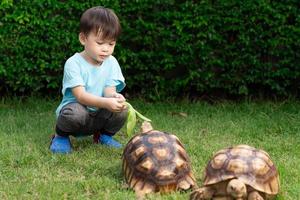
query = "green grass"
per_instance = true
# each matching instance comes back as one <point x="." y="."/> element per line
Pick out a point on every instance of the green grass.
<point x="29" y="171"/>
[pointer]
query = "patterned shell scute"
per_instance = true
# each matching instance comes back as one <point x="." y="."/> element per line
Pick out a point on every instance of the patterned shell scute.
<point x="253" y="166"/>
<point x="156" y="159"/>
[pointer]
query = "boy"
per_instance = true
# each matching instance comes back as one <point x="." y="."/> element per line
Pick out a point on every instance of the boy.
<point x="91" y="84"/>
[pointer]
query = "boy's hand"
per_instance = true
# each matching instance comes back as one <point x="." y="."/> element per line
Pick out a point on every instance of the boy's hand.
<point x="120" y="97"/>
<point x="115" y="104"/>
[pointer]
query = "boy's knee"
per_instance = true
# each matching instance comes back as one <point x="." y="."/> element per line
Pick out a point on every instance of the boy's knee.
<point x="124" y="113"/>
<point x="72" y="115"/>
<point x="120" y="117"/>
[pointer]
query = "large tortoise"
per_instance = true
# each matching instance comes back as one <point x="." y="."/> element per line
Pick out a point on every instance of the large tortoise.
<point x="155" y="161"/>
<point x="239" y="172"/>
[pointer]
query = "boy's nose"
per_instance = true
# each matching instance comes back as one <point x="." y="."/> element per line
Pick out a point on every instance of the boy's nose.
<point x="105" y="48"/>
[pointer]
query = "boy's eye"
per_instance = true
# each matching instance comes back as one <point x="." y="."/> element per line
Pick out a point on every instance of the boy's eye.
<point x="110" y="43"/>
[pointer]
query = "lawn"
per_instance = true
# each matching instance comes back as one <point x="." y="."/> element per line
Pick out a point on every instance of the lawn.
<point x="29" y="171"/>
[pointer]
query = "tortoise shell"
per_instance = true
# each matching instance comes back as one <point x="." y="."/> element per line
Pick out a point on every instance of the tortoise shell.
<point x="253" y="166"/>
<point x="156" y="162"/>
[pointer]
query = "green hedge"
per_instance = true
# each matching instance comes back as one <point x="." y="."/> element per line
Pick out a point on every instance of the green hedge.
<point x="167" y="48"/>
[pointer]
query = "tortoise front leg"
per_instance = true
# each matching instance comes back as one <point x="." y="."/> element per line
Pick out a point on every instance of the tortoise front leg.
<point x="203" y="193"/>
<point x="255" y="196"/>
<point x="222" y="198"/>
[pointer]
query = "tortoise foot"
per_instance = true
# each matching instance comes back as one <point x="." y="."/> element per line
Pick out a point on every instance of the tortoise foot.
<point x="255" y="196"/>
<point x="204" y="193"/>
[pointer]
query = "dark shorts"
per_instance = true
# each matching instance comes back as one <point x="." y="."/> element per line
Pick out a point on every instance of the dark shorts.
<point x="74" y="119"/>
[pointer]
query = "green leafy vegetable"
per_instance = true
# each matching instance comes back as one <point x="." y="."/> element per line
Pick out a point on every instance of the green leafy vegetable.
<point x="131" y="119"/>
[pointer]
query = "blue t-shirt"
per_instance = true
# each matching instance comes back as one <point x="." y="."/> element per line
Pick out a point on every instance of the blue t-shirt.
<point x="78" y="72"/>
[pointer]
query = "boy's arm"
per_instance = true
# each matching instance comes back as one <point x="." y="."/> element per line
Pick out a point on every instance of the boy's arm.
<point x="111" y="91"/>
<point x="85" y="98"/>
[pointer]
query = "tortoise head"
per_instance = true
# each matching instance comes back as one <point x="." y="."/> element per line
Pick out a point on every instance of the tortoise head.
<point x="237" y="189"/>
<point x="146" y="127"/>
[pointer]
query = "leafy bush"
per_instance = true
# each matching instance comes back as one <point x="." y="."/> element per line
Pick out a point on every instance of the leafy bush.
<point x="168" y="48"/>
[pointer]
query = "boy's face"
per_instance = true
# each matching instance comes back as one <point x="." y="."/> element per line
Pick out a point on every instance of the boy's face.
<point x="96" y="50"/>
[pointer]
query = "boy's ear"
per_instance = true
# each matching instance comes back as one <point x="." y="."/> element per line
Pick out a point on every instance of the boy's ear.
<point x="82" y="38"/>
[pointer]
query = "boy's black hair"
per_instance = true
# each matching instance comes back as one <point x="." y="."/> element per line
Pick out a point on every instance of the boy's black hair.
<point x="102" y="21"/>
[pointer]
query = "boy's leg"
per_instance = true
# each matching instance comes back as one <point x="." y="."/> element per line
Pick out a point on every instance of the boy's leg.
<point x="74" y="119"/>
<point x="109" y="123"/>
<point x="71" y="121"/>
<point x="114" y="121"/>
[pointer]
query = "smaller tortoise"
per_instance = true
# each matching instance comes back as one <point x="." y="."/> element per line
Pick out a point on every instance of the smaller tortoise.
<point x="239" y="172"/>
<point x="155" y="161"/>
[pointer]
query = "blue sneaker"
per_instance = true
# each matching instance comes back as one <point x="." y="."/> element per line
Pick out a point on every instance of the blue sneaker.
<point x="60" y="144"/>
<point x="109" y="141"/>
